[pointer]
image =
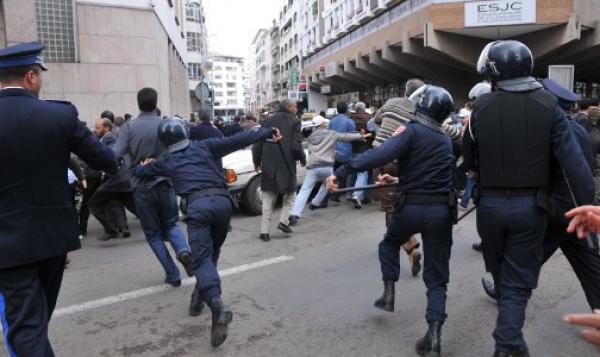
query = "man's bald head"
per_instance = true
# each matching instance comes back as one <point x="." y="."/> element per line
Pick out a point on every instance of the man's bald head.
<point x="102" y="127"/>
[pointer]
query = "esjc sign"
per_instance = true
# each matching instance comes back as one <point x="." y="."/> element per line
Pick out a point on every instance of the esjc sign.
<point x="500" y="12"/>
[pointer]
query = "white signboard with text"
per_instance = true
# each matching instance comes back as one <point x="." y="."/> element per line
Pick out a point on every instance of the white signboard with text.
<point x="500" y="12"/>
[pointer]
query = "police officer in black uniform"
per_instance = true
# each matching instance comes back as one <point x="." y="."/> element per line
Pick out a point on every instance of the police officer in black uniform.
<point x="196" y="170"/>
<point x="517" y="130"/>
<point x="425" y="203"/>
<point x="38" y="223"/>
<point x="582" y="256"/>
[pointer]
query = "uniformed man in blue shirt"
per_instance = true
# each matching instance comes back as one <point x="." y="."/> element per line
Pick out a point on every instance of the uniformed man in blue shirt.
<point x="425" y="203"/>
<point x="196" y="170"/>
<point x="516" y="131"/>
<point x="38" y="223"/>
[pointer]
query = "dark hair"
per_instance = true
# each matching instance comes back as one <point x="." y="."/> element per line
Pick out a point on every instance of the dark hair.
<point x="203" y="116"/>
<point x="147" y="99"/>
<point x="108" y="115"/>
<point x="285" y="104"/>
<point x="237" y="119"/>
<point x="585" y="104"/>
<point x="251" y="118"/>
<point x="119" y="121"/>
<point x="342" y="108"/>
<point x="17" y="73"/>
<point x="323" y="113"/>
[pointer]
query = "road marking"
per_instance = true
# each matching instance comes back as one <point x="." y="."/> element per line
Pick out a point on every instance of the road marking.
<point x="94" y="304"/>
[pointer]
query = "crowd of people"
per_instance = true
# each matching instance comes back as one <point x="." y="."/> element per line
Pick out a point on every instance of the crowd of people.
<point x="525" y="165"/>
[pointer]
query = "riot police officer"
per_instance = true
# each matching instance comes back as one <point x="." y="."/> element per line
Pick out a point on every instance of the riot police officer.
<point x="516" y="130"/>
<point x="38" y="222"/>
<point x="425" y="203"/>
<point x="196" y="170"/>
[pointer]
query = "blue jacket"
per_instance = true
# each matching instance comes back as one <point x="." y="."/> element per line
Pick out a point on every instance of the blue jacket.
<point x="342" y="124"/>
<point x="561" y="200"/>
<point x="37" y="217"/>
<point x="425" y="160"/>
<point x="204" y="131"/>
<point x="199" y="166"/>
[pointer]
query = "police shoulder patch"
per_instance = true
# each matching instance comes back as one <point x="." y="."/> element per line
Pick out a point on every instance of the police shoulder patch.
<point x="401" y="129"/>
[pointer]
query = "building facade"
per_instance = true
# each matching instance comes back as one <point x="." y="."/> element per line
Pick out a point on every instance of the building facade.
<point x="101" y="52"/>
<point x="228" y="85"/>
<point x="197" y="49"/>
<point x="371" y="47"/>
<point x="261" y="77"/>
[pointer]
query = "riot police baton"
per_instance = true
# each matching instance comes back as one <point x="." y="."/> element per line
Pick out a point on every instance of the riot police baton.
<point x="590" y="237"/>
<point x="464" y="215"/>
<point x="362" y="188"/>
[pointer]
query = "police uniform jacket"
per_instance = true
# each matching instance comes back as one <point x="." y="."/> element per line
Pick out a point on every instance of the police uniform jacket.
<point x="204" y="131"/>
<point x="425" y="160"/>
<point x="199" y="166"/>
<point x="37" y="217"/>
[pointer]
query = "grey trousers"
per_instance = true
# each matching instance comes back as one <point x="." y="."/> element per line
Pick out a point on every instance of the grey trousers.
<point x="268" y="203"/>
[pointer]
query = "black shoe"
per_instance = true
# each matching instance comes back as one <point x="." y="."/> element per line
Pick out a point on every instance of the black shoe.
<point x="221" y="318"/>
<point x="477" y="247"/>
<point x="357" y="203"/>
<point x="196" y="304"/>
<point x="108" y="236"/>
<point x="173" y="283"/>
<point x="490" y="288"/>
<point x="293" y="220"/>
<point x="264" y="237"/>
<point x="366" y="201"/>
<point x="125" y="233"/>
<point x="430" y="345"/>
<point x="284" y="228"/>
<point x="185" y="258"/>
<point x="521" y="352"/>
<point x="386" y="301"/>
<point x="313" y="207"/>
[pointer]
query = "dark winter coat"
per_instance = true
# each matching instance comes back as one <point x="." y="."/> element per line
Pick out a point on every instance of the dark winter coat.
<point x="276" y="175"/>
<point x="120" y="181"/>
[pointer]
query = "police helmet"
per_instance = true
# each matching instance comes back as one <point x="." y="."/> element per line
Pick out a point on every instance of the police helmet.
<point x="434" y="102"/>
<point x="502" y="60"/>
<point x="173" y="133"/>
<point x="479" y="89"/>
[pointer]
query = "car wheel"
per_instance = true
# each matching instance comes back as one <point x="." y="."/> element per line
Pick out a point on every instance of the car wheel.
<point x="252" y="198"/>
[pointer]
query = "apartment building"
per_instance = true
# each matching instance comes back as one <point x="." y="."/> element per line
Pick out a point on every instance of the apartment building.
<point x="197" y="48"/>
<point x="289" y="45"/>
<point x="101" y="52"/>
<point x="371" y="47"/>
<point x="228" y="85"/>
<point x="261" y="55"/>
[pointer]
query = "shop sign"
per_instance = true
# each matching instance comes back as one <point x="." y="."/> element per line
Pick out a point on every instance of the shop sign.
<point x="500" y="12"/>
<point x="325" y="89"/>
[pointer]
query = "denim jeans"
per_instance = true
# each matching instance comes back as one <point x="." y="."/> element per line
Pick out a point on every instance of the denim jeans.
<point x="468" y="194"/>
<point x="158" y="214"/>
<point x="313" y="176"/>
<point x="362" y="179"/>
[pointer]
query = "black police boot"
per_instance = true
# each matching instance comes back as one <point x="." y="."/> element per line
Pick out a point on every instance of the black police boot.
<point x="431" y="345"/>
<point x="521" y="352"/>
<point x="386" y="301"/>
<point x="196" y="304"/>
<point x="221" y="318"/>
<point x="264" y="237"/>
<point x="490" y="288"/>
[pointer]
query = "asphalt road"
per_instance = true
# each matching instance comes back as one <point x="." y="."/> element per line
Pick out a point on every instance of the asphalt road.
<point x="315" y="299"/>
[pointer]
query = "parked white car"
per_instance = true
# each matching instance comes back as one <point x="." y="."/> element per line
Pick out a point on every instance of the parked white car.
<point x="244" y="182"/>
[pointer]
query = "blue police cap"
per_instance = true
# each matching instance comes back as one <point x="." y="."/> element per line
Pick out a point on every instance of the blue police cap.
<point x="22" y="54"/>
<point x="562" y="93"/>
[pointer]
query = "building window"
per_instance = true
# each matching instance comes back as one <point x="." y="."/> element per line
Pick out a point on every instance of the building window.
<point x="230" y="85"/>
<point x="194" y="42"/>
<point x="218" y="85"/>
<point x="195" y="71"/>
<point x="218" y="94"/>
<point x="218" y="76"/>
<point x="231" y="102"/>
<point x="55" y="20"/>
<point x="231" y="93"/>
<point x="193" y="12"/>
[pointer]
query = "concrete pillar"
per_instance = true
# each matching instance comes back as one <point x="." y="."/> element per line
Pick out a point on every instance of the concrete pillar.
<point x="364" y="65"/>
<point x="20" y="21"/>
<point x="463" y="49"/>
<point x="375" y="58"/>
<point x="350" y="70"/>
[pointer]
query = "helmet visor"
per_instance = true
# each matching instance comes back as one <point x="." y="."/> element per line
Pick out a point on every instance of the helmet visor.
<point x="483" y="62"/>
